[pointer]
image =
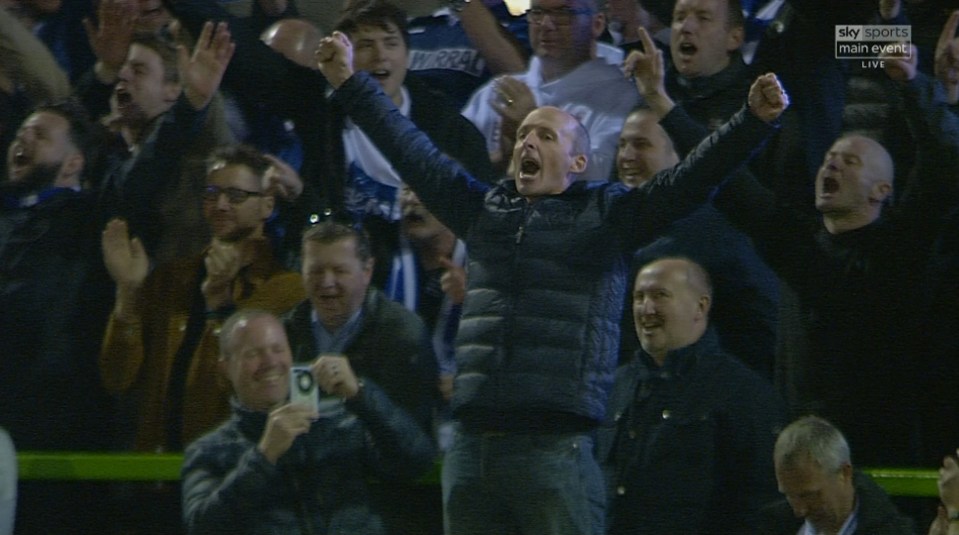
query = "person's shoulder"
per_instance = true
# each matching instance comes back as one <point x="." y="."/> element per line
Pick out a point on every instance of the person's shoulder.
<point x="386" y="312"/>
<point x="298" y="317"/>
<point x="216" y="442"/>
<point x="760" y="388"/>
<point x="877" y="512"/>
<point x="600" y="71"/>
<point x="737" y="382"/>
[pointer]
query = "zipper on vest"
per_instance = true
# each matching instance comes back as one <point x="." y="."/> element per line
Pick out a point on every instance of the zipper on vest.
<point x="522" y="225"/>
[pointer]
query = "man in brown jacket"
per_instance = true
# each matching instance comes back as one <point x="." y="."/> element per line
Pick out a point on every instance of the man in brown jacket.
<point x="161" y="341"/>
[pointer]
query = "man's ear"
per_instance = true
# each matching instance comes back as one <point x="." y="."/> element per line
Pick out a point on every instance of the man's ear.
<point x="71" y="168"/>
<point x="171" y="91"/>
<point x="735" y="38"/>
<point x="368" y="269"/>
<point x="879" y="192"/>
<point x="846" y="471"/>
<point x="599" y="24"/>
<point x="266" y="208"/>
<point x="580" y="161"/>
<point x="705" y="303"/>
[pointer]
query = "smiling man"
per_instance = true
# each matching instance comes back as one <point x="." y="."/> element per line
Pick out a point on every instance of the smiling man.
<point x="690" y="429"/>
<point x="539" y="334"/>
<point x="275" y="466"/>
<point x="344" y="315"/>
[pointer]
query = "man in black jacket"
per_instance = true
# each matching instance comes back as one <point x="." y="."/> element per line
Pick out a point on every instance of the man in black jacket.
<point x="55" y="298"/>
<point x="690" y="428"/>
<point x="345" y="315"/>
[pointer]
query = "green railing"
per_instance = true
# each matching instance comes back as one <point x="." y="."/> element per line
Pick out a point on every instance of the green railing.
<point x="166" y="467"/>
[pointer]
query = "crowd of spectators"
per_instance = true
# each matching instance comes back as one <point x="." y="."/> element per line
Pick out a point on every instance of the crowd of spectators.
<point x="593" y="256"/>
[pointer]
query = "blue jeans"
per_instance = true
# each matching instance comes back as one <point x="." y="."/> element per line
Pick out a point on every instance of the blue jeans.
<point x="522" y="484"/>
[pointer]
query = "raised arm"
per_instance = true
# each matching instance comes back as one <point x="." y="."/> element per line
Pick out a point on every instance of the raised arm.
<point x="121" y="354"/>
<point x="256" y="73"/>
<point x="444" y="186"/>
<point x="933" y="186"/>
<point x="675" y="192"/>
<point x="647" y="68"/>
<point x="110" y="38"/>
<point x="26" y="61"/>
<point x="502" y="52"/>
<point x="202" y="70"/>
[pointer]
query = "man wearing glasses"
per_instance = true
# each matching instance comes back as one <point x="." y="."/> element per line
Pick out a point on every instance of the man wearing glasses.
<point x="161" y="341"/>
<point x="564" y="72"/>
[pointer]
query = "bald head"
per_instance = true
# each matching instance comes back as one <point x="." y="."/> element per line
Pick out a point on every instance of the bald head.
<point x="854" y="181"/>
<point x="694" y="275"/>
<point x="235" y="324"/>
<point x="551" y="148"/>
<point x="877" y="159"/>
<point x="671" y="301"/>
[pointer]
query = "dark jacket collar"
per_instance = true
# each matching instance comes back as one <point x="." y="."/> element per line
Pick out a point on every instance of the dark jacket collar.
<point x="681" y="362"/>
<point x="703" y="86"/>
<point x="250" y="422"/>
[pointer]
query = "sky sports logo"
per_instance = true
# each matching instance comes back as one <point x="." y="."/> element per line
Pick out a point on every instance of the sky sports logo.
<point x="871" y="43"/>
